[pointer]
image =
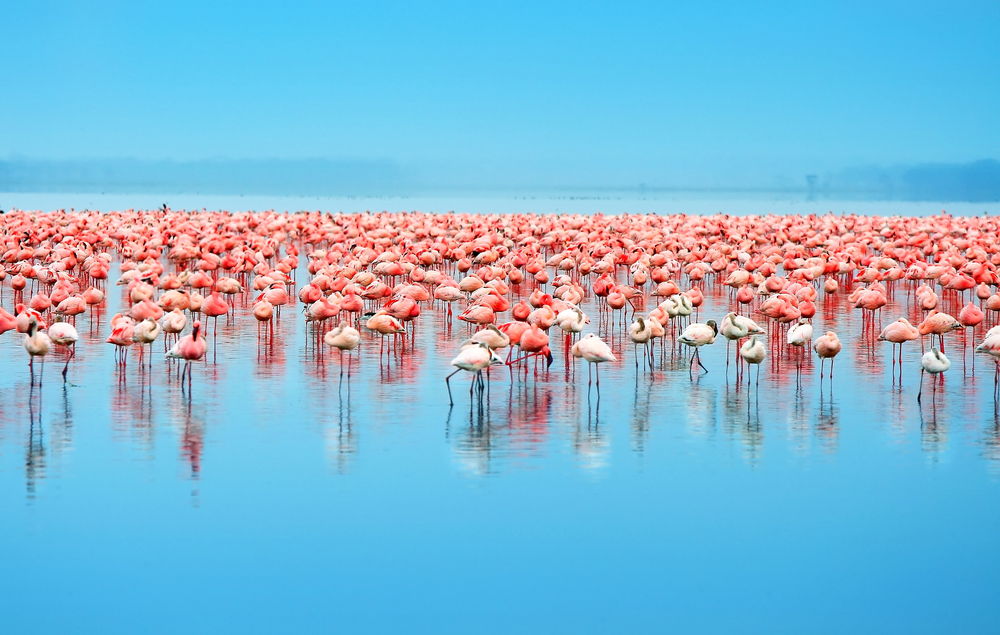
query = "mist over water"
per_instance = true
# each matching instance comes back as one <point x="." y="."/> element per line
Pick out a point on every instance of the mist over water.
<point x="976" y="181"/>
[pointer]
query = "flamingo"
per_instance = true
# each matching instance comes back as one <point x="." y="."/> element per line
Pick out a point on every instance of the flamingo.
<point x="799" y="336"/>
<point x="64" y="334"/>
<point x="938" y="324"/>
<point x="492" y="337"/>
<point x="7" y="321"/>
<point x="145" y="333"/>
<point x="735" y="327"/>
<point x="214" y="306"/>
<point x="533" y="342"/>
<point x="37" y="344"/>
<point x="827" y="347"/>
<point x="753" y="352"/>
<point x="343" y="337"/>
<point x="572" y="320"/>
<point x="897" y="333"/>
<point x="641" y="332"/>
<point x="190" y="348"/>
<point x="173" y="323"/>
<point x="473" y="358"/>
<point x="122" y="329"/>
<point x="384" y="324"/>
<point x="970" y="317"/>
<point x="934" y="362"/>
<point x="594" y="351"/>
<point x="697" y="335"/>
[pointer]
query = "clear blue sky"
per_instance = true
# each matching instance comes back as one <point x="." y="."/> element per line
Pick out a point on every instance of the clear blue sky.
<point x="546" y="92"/>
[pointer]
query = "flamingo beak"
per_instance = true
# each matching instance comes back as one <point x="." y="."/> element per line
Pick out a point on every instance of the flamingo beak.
<point x="548" y="356"/>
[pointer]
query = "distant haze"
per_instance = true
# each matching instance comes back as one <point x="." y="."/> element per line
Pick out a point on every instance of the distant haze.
<point x="977" y="181"/>
<point x="874" y="99"/>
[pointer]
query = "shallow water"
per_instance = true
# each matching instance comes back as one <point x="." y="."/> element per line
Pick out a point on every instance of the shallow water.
<point x="542" y="202"/>
<point x="275" y="499"/>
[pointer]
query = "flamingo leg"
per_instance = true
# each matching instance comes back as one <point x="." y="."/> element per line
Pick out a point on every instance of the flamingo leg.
<point x="72" y="354"/>
<point x="514" y="361"/>
<point x="697" y="356"/>
<point x="447" y="382"/>
<point x="728" y="342"/>
<point x="996" y="380"/>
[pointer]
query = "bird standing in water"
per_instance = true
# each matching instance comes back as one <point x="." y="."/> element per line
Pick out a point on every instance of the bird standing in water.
<point x="934" y="362"/>
<point x="753" y="352"/>
<point x="190" y="348"/>
<point x="64" y="334"/>
<point x="799" y="336"/>
<point x="145" y="333"/>
<point x="827" y="346"/>
<point x="735" y="327"/>
<point x="897" y="333"/>
<point x="37" y="344"/>
<point x="641" y="332"/>
<point x="473" y="357"/>
<point x="697" y="335"/>
<point x="595" y="351"/>
<point x="343" y="337"/>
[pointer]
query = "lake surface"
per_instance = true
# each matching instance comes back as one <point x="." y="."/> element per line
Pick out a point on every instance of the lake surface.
<point x="277" y="499"/>
<point x="577" y="202"/>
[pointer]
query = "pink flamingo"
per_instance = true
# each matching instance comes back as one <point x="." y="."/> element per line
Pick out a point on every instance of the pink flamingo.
<point x="190" y="348"/>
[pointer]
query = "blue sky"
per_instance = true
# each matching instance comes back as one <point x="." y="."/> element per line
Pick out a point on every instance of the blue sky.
<point x="551" y="93"/>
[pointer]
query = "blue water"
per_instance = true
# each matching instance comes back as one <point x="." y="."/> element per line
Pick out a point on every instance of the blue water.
<point x="276" y="499"/>
<point x="542" y="202"/>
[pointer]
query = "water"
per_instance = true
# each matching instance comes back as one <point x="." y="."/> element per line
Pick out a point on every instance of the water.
<point x="608" y="202"/>
<point x="275" y="500"/>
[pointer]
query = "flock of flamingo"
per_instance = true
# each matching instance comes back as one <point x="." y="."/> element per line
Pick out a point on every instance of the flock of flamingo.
<point x="511" y="278"/>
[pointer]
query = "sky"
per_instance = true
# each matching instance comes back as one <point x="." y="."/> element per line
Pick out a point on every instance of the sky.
<point x="540" y="93"/>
